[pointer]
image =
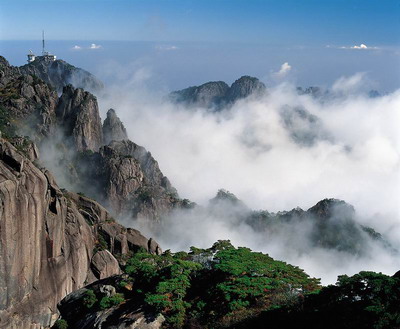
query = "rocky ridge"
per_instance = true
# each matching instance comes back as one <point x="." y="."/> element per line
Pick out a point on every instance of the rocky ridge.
<point x="127" y="179"/>
<point x="218" y="95"/>
<point x="330" y="224"/>
<point x="110" y="168"/>
<point x="59" y="74"/>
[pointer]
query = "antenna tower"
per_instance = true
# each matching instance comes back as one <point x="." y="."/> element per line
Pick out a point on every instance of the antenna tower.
<point x="43" y="52"/>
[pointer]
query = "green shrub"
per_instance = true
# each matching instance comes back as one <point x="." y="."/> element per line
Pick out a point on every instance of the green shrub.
<point x="89" y="299"/>
<point x="183" y="287"/>
<point x="61" y="324"/>
<point x="101" y="242"/>
<point x="107" y="302"/>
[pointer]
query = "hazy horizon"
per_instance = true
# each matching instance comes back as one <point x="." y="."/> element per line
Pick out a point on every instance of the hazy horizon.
<point x="174" y="66"/>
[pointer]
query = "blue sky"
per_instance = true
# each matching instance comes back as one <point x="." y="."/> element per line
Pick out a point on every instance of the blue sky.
<point x="188" y="42"/>
<point x="283" y="22"/>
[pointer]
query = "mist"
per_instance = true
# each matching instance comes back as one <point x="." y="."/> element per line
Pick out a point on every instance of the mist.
<point x="351" y="153"/>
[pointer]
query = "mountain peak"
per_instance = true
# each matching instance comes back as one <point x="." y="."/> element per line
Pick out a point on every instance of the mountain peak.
<point x="217" y="94"/>
<point x="59" y="74"/>
<point x="113" y="128"/>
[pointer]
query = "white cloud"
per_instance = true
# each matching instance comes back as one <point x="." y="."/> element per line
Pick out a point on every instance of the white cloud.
<point x="350" y="84"/>
<point x="284" y="70"/>
<point x="362" y="46"/>
<point x="166" y="47"/>
<point x="250" y="153"/>
<point x="76" y="47"/>
<point x="94" y="46"/>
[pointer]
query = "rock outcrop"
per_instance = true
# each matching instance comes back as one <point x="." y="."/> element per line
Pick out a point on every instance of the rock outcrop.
<point x="104" y="265"/>
<point x="128" y="315"/>
<point x="218" y="95"/>
<point x="51" y="242"/>
<point x="7" y="72"/>
<point x="122" y="174"/>
<point x="113" y="128"/>
<point x="59" y="74"/>
<point x="27" y="104"/>
<point x="79" y="119"/>
<point x="127" y="178"/>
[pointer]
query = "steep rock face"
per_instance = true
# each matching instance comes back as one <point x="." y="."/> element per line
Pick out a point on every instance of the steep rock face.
<point x="148" y="164"/>
<point x="127" y="178"/>
<point x="218" y="95"/>
<point x="245" y="87"/>
<point x="59" y="74"/>
<point x="27" y="104"/>
<point x="113" y="128"/>
<point x="78" y="116"/>
<point x="47" y="241"/>
<point x="45" y="244"/>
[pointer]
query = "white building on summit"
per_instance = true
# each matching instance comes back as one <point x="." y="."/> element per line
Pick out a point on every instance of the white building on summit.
<point x="45" y="54"/>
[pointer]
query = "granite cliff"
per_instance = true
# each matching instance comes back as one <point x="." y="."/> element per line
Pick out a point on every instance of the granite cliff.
<point x="52" y="241"/>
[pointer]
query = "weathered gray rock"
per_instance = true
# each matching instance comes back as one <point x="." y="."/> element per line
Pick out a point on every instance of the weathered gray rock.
<point x="127" y="178"/>
<point x="107" y="290"/>
<point x="45" y="244"/>
<point x="104" y="264"/>
<point x="59" y="74"/>
<point x="26" y="146"/>
<point x="28" y="103"/>
<point x="47" y="239"/>
<point x="113" y="128"/>
<point x="78" y="117"/>
<point x="7" y="72"/>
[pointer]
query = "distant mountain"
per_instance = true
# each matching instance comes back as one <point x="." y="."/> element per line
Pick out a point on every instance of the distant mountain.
<point x="330" y="224"/>
<point x="217" y="94"/>
<point x="59" y="74"/>
<point x="304" y="128"/>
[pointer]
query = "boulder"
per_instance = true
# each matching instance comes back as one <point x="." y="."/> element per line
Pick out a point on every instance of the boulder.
<point x="104" y="264"/>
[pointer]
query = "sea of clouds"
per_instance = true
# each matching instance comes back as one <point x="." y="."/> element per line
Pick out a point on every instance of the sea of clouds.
<point x="249" y="151"/>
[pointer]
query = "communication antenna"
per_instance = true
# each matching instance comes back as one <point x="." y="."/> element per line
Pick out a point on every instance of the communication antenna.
<point x="43" y="52"/>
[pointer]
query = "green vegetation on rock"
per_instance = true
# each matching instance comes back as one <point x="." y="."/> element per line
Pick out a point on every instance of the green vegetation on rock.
<point x="222" y="284"/>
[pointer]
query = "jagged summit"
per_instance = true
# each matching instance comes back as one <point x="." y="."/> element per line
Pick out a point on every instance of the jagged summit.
<point x="59" y="73"/>
<point x="245" y="87"/>
<point x="113" y="128"/>
<point x="217" y="94"/>
<point x="78" y="117"/>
